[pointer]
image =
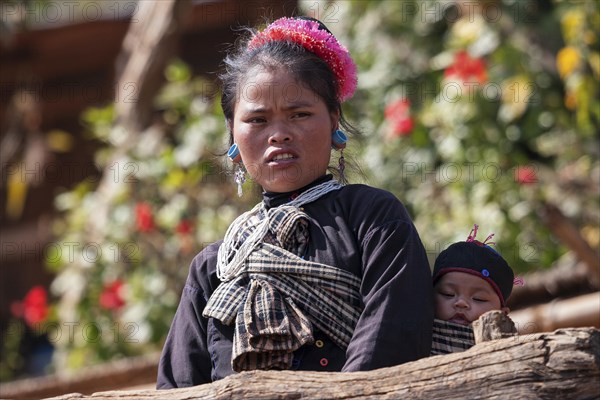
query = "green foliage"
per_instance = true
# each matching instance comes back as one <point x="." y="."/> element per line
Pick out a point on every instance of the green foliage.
<point x="497" y="133"/>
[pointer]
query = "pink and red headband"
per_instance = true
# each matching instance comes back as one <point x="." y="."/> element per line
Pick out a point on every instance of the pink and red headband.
<point x="318" y="41"/>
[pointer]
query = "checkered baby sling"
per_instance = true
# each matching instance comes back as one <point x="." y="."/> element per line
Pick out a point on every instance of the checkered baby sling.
<point x="271" y="295"/>
<point x="449" y="337"/>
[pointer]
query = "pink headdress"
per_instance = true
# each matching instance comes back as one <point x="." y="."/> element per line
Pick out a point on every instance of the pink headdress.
<point x="318" y="41"/>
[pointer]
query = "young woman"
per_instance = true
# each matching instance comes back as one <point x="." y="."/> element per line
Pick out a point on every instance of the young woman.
<point x="319" y="275"/>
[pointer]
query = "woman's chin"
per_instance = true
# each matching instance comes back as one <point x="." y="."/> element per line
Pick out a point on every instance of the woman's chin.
<point x="283" y="183"/>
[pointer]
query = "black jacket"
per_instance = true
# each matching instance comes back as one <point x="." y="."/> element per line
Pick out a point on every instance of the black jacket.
<point x="364" y="230"/>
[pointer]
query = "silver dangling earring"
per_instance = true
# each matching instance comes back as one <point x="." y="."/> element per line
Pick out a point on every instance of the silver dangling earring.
<point x="338" y="141"/>
<point x="239" y="176"/>
<point x="342" y="167"/>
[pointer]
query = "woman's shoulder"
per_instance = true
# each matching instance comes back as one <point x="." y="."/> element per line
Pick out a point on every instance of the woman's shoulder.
<point x="368" y="191"/>
<point x="366" y="195"/>
<point x="203" y="269"/>
<point x="209" y="252"/>
<point x="372" y="202"/>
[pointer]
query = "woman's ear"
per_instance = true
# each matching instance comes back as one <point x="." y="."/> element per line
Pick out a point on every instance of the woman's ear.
<point x="335" y="120"/>
<point x="229" y="127"/>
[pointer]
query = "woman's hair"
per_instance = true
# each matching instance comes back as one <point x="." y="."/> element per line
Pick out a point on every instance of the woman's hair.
<point x="307" y="68"/>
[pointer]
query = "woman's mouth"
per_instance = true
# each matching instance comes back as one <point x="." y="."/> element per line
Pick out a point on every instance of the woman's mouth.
<point x="283" y="156"/>
<point x="281" y="159"/>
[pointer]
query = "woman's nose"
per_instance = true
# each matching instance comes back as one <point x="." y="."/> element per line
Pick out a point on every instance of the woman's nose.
<point x="279" y="138"/>
<point x="279" y="134"/>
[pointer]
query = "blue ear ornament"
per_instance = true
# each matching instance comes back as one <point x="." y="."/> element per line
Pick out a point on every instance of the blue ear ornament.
<point x="234" y="153"/>
<point x="338" y="140"/>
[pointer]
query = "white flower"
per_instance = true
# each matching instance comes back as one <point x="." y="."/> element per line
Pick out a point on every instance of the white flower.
<point x="170" y="214"/>
<point x="519" y="211"/>
<point x="449" y="147"/>
<point x="155" y="284"/>
<point x="65" y="201"/>
<point x="151" y="144"/>
<point x="473" y="32"/>
<point x="118" y="135"/>
<point x="135" y="316"/>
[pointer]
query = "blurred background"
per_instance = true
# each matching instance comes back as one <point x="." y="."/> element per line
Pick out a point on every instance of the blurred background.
<point x="472" y="112"/>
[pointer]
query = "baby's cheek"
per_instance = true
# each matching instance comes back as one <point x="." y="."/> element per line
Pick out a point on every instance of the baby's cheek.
<point x="483" y="309"/>
<point x="440" y="308"/>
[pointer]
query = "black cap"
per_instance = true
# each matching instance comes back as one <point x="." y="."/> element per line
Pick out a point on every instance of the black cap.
<point x="478" y="259"/>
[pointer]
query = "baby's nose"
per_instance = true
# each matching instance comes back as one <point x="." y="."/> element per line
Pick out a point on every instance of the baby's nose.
<point x="461" y="303"/>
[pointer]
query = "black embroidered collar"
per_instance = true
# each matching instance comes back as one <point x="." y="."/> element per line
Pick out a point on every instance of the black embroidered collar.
<point x="272" y="199"/>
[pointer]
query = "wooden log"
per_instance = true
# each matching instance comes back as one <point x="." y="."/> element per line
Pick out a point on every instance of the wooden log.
<point x="574" y="312"/>
<point x="557" y="365"/>
<point x="568" y="233"/>
<point x="567" y="278"/>
<point x="493" y="325"/>
<point x="119" y="374"/>
<point x="147" y="48"/>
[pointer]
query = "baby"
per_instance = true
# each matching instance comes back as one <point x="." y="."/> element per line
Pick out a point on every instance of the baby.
<point x="470" y="278"/>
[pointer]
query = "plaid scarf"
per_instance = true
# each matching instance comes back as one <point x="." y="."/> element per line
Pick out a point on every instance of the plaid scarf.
<point x="449" y="337"/>
<point x="277" y="297"/>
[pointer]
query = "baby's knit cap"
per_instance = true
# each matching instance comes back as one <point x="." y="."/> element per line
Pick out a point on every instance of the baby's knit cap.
<point x="477" y="258"/>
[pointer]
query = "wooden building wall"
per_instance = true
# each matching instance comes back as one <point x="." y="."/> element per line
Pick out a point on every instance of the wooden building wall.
<point x="49" y="75"/>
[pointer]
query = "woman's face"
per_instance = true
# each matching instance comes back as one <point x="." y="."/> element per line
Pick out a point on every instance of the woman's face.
<point x="283" y="131"/>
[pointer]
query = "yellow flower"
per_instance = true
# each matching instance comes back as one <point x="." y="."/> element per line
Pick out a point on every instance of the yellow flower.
<point x="567" y="60"/>
<point x="572" y="23"/>
<point x="591" y="235"/>
<point x="59" y="141"/>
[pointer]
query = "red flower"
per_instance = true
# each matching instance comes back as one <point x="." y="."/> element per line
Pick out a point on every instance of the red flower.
<point x="144" y="219"/>
<point x="184" y="227"/>
<point x="397" y="114"/>
<point x="111" y="297"/>
<point x="467" y="69"/>
<point x="525" y="175"/>
<point x="34" y="307"/>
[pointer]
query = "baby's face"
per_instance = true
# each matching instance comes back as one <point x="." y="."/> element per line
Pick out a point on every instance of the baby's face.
<point x="461" y="297"/>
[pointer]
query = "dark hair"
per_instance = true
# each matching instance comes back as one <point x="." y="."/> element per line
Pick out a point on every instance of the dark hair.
<point x="307" y="68"/>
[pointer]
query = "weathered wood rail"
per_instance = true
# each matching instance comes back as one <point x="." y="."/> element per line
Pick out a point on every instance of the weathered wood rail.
<point x="116" y="375"/>
<point x="551" y="365"/>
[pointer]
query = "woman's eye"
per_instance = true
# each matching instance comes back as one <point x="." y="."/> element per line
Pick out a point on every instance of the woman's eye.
<point x="301" y="115"/>
<point x="255" y="120"/>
